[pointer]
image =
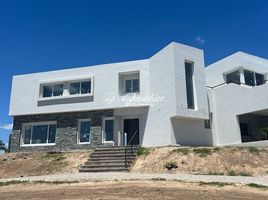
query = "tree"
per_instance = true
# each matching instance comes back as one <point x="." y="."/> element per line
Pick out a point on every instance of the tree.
<point x="2" y="146"/>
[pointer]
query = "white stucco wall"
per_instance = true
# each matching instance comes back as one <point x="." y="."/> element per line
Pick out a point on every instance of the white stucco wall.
<point x="230" y="100"/>
<point x="161" y="76"/>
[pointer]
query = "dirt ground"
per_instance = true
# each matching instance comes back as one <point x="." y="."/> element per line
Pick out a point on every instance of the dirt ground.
<point x="33" y="164"/>
<point x="130" y="190"/>
<point x="217" y="161"/>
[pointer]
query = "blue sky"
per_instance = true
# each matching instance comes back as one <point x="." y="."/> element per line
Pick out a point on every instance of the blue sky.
<point x="41" y="35"/>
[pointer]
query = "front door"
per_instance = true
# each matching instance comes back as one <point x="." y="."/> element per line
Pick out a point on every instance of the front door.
<point x="131" y="127"/>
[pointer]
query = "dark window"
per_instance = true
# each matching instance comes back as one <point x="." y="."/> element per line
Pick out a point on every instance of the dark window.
<point x="249" y="78"/>
<point x="52" y="133"/>
<point x="109" y="130"/>
<point x="58" y="90"/>
<point x="259" y="79"/>
<point x="75" y="88"/>
<point x="47" y="91"/>
<point x="189" y="68"/>
<point x="233" y="77"/>
<point x="85" y="87"/>
<point x="27" y="135"/>
<point x="84" y="131"/>
<point x="39" y="135"/>
<point x="132" y="85"/>
<point x="207" y="124"/>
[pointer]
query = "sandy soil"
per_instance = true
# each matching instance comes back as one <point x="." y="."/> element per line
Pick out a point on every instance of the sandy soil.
<point x="249" y="161"/>
<point x="32" y="164"/>
<point x="130" y="190"/>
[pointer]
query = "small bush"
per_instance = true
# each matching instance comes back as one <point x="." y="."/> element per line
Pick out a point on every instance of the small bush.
<point x="216" y="173"/>
<point x="142" y="151"/>
<point x="158" y="179"/>
<point x="203" y="152"/>
<point x="257" y="186"/>
<point x="183" y="151"/>
<point x="220" y="184"/>
<point x="171" y="165"/>
<point x="233" y="173"/>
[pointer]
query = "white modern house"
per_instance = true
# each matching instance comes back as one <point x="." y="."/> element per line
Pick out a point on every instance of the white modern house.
<point x="170" y="98"/>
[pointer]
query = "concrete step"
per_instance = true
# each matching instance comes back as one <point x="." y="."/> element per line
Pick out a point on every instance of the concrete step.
<point x="108" y="155"/>
<point x="113" y="151"/>
<point x="109" y="159"/>
<point x="105" y="165"/>
<point x="104" y="169"/>
<point x="104" y="161"/>
<point x="120" y="148"/>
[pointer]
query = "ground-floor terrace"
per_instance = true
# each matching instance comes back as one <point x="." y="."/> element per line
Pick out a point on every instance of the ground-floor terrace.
<point x="78" y="130"/>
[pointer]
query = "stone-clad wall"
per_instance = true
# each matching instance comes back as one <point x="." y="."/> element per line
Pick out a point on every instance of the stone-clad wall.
<point x="66" y="133"/>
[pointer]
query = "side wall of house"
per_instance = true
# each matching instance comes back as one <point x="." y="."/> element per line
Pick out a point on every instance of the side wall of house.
<point x="66" y="131"/>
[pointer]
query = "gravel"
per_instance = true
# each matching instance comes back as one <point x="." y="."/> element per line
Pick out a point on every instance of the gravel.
<point x="109" y="176"/>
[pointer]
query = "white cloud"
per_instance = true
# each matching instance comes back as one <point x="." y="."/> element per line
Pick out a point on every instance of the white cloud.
<point x="6" y="126"/>
<point x="199" y="40"/>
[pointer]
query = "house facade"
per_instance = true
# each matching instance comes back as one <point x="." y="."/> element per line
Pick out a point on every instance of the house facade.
<point x="170" y="98"/>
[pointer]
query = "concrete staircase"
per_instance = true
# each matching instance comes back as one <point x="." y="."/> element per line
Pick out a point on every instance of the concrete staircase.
<point x="109" y="159"/>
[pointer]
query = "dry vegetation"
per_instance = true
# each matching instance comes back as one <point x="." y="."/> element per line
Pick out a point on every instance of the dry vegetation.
<point x="32" y="164"/>
<point x="131" y="190"/>
<point x="233" y="161"/>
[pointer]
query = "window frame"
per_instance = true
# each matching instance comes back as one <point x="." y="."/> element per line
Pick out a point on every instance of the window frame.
<point x="103" y="129"/>
<point x="79" y="129"/>
<point x="192" y="88"/>
<point x="32" y="124"/>
<point x="132" y="80"/>
<point x="80" y="85"/>
<point x="52" y="90"/>
<point x="66" y="88"/>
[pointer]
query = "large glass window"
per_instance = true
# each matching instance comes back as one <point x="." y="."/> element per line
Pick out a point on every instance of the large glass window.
<point x="84" y="131"/>
<point x="259" y="79"/>
<point x="47" y="91"/>
<point x="132" y="85"/>
<point x="108" y="130"/>
<point x="39" y="134"/>
<point x="189" y="68"/>
<point x="249" y="78"/>
<point x="53" y="90"/>
<point x="233" y="77"/>
<point x="80" y="87"/>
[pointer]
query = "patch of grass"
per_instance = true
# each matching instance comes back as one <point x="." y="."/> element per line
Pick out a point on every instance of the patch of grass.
<point x="158" y="179"/>
<point x="13" y="182"/>
<point x="183" y="151"/>
<point x="171" y="165"/>
<point x="143" y="151"/>
<point x="203" y="152"/>
<point x="216" y="173"/>
<point x="55" y="156"/>
<point x="253" y="150"/>
<point x="257" y="186"/>
<point x="233" y="173"/>
<point x="219" y="184"/>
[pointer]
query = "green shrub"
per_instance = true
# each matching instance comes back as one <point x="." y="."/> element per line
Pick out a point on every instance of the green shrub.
<point x="171" y="165"/>
<point x="232" y="173"/>
<point x="143" y="151"/>
<point x="257" y="186"/>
